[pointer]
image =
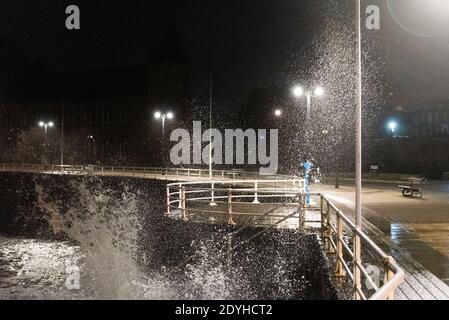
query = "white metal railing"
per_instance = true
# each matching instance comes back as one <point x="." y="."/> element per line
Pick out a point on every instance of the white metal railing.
<point x="143" y="172"/>
<point x="338" y="232"/>
<point x="239" y="187"/>
<point x="180" y="194"/>
<point x="336" y="229"/>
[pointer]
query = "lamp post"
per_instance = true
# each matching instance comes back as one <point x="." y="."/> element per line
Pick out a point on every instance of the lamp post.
<point x="358" y="155"/>
<point x="392" y="126"/>
<point x="162" y="117"/>
<point x="299" y="91"/>
<point x="45" y="125"/>
<point x="91" y="150"/>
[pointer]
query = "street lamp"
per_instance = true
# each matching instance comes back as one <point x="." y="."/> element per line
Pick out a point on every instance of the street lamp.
<point x="299" y="91"/>
<point x="392" y="126"/>
<point x="278" y="112"/>
<point x="90" y="149"/>
<point x="319" y="91"/>
<point x="162" y="116"/>
<point x="45" y="125"/>
<point x="357" y="260"/>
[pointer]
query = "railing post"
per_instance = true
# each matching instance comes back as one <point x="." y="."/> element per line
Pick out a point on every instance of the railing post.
<point x="340" y="271"/>
<point x="183" y="202"/>
<point x="323" y="220"/>
<point x="256" y="200"/>
<point x="388" y="275"/>
<point x="180" y="196"/>
<point x="356" y="262"/>
<point x="328" y="229"/>
<point x="212" y="194"/>
<point x="230" y="220"/>
<point x="168" y="200"/>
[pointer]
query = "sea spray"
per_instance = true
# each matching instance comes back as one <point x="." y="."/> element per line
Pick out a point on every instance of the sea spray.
<point x="106" y="226"/>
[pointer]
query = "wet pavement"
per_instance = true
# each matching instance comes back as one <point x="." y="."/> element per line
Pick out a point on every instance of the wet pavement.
<point x="418" y="226"/>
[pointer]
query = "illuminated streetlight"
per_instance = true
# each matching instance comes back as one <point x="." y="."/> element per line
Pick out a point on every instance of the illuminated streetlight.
<point x="278" y="112"/>
<point x="162" y="116"/>
<point x="45" y="125"/>
<point x="298" y="91"/>
<point x="319" y="91"/>
<point x="392" y="125"/>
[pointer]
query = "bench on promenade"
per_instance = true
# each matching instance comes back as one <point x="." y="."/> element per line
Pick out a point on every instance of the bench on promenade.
<point x="414" y="188"/>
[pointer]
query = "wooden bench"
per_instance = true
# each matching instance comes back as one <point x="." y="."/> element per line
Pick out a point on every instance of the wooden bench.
<point x="414" y="188"/>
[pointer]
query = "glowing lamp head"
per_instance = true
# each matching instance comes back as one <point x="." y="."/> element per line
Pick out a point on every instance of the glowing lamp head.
<point x="392" y="125"/>
<point x="319" y="91"/>
<point x="170" y="115"/>
<point x="157" y="115"/>
<point x="51" y="124"/>
<point x="298" y="91"/>
<point x="41" y="123"/>
<point x="278" y="112"/>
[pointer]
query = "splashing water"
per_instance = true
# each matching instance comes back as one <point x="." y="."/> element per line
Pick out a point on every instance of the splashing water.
<point x="125" y="248"/>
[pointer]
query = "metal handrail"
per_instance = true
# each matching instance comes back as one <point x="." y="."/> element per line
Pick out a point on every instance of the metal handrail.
<point x="261" y="187"/>
<point x="393" y="274"/>
<point x="138" y="171"/>
<point x="334" y="229"/>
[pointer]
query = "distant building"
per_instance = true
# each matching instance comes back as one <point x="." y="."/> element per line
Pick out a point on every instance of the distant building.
<point x="107" y="114"/>
<point x="429" y="120"/>
<point x="419" y="144"/>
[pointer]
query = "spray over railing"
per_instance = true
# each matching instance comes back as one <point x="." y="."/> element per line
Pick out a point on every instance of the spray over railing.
<point x="240" y="197"/>
<point x="181" y="174"/>
<point x="274" y="202"/>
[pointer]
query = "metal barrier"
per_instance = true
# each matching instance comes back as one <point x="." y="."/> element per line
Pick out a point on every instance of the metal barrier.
<point x="142" y="172"/>
<point x="284" y="196"/>
<point x="337" y="231"/>
<point x="228" y="193"/>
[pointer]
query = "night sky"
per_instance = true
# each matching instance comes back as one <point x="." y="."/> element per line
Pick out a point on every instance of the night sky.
<point x="245" y="44"/>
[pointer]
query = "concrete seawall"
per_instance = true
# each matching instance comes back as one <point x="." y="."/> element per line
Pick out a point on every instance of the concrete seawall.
<point x="119" y="221"/>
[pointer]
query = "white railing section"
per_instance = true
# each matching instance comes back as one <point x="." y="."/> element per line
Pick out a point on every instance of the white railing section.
<point x="229" y="188"/>
<point x="181" y="174"/>
<point x="337" y="230"/>
<point x="229" y="192"/>
<point x="337" y="233"/>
